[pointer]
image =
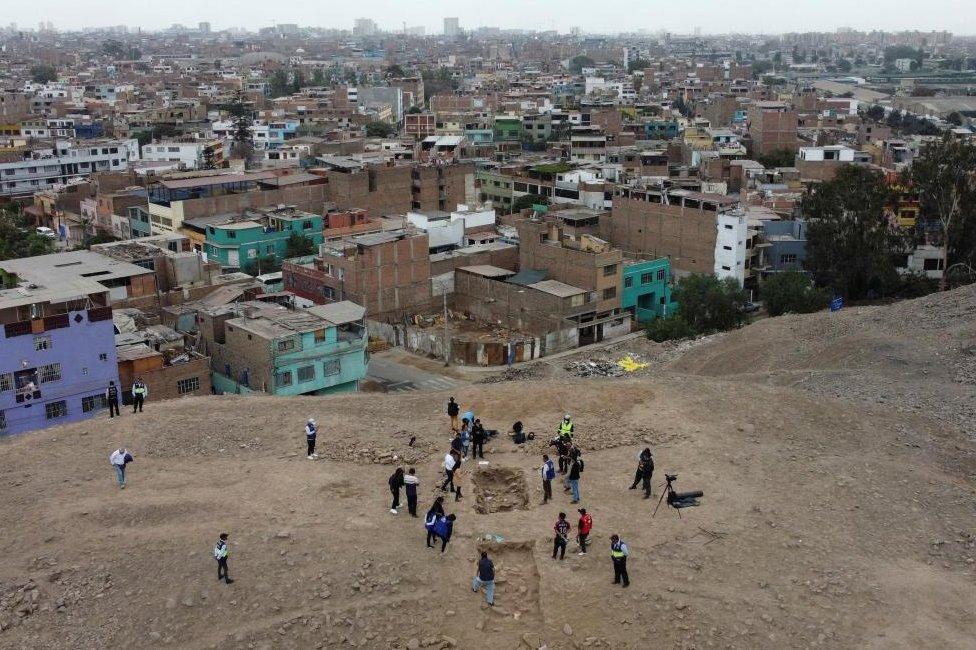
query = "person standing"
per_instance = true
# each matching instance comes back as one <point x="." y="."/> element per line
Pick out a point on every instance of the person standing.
<point x="548" y="471"/>
<point x="112" y="398"/>
<point x="396" y="482"/>
<point x="410" y="482"/>
<point x="453" y="410"/>
<point x="561" y="538"/>
<point x="430" y="519"/>
<point x="647" y="472"/>
<point x="478" y="437"/>
<point x="583" y="528"/>
<point x="566" y="429"/>
<point x="450" y="462"/>
<point x="460" y="476"/>
<point x="573" y="477"/>
<point x="444" y="528"/>
<point x="638" y="473"/>
<point x="139" y="394"/>
<point x="465" y="436"/>
<point x="618" y="554"/>
<point x="485" y="577"/>
<point x="220" y="554"/>
<point x="311" y="430"/>
<point x="119" y="459"/>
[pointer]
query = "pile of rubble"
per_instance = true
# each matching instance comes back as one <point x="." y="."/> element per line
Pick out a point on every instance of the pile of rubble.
<point x="530" y="371"/>
<point x="595" y="368"/>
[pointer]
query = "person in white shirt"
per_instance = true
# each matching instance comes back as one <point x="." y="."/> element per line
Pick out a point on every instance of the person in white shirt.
<point x="451" y="460"/>
<point x="119" y="459"/>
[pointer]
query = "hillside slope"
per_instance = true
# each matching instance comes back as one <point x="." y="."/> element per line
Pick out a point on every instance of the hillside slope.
<point x="826" y="522"/>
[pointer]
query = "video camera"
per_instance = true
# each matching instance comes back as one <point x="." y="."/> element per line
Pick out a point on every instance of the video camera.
<point x="678" y="500"/>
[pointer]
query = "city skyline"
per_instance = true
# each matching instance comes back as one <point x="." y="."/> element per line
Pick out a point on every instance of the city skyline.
<point x="710" y="16"/>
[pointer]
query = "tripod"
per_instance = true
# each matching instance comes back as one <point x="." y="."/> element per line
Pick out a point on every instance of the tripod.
<point x="668" y="491"/>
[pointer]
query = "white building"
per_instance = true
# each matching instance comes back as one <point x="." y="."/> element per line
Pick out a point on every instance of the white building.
<point x="730" y="245"/>
<point x="189" y="155"/>
<point x="838" y="153"/>
<point x="50" y="166"/>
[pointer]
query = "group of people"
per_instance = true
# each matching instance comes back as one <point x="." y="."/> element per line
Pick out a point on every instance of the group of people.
<point x="570" y="459"/>
<point x="139" y="394"/>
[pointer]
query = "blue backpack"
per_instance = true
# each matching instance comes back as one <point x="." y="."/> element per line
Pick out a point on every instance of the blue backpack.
<point x="550" y="471"/>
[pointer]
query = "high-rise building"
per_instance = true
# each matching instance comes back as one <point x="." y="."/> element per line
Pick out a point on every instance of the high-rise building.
<point x="364" y="27"/>
<point x="452" y="27"/>
<point x="204" y="28"/>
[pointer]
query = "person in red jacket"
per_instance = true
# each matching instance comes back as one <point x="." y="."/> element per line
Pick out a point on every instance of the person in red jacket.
<point x="583" y="529"/>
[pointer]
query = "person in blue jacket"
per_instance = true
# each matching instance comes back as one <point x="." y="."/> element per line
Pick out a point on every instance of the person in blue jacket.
<point x="442" y="528"/>
<point x="430" y="519"/>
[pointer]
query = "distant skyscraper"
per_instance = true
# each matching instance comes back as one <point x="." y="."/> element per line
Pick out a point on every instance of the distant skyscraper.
<point x="204" y="28"/>
<point x="452" y="27"/>
<point x="364" y="27"/>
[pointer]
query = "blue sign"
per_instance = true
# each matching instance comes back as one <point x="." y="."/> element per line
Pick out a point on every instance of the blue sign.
<point x="836" y="303"/>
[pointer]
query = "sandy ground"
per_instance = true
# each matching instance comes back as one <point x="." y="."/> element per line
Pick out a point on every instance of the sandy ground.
<point x="829" y="520"/>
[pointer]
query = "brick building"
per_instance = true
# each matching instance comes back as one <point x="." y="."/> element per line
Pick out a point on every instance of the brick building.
<point x="166" y="375"/>
<point x="772" y="126"/>
<point x="386" y="272"/>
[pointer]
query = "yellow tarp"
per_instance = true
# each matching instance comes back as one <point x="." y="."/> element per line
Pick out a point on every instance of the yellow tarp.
<point x="630" y="365"/>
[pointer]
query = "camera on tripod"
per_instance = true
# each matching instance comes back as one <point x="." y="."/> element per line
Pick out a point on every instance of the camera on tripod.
<point x="678" y="500"/>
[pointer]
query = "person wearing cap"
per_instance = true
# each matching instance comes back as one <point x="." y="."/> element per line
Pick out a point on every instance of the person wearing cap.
<point x="566" y="428"/>
<point x="583" y="528"/>
<point x="220" y="554"/>
<point x="618" y="554"/>
<point x="310" y="431"/>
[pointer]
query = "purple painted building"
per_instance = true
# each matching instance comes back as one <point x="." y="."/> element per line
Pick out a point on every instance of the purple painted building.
<point x="57" y="352"/>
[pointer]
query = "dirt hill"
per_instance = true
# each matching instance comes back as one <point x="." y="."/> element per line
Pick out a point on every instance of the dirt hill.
<point x="833" y="451"/>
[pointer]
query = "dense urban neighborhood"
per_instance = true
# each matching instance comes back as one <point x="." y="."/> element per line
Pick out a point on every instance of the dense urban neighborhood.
<point x="270" y="266"/>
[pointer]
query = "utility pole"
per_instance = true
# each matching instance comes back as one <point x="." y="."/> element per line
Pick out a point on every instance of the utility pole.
<point x="447" y="340"/>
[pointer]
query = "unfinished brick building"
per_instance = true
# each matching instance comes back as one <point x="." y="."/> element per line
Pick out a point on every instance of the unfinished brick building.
<point x="772" y="126"/>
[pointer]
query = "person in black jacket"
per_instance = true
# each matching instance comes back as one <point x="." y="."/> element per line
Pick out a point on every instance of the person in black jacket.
<point x="396" y="482"/>
<point x="644" y="472"/>
<point x="410" y="483"/>
<point x="478" y="437"/>
<point x="112" y="399"/>
<point x="573" y="477"/>
<point x="486" y="578"/>
<point x="453" y="410"/>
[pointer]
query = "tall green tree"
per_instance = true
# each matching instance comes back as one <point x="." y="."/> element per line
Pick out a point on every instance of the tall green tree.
<point x="43" y="74"/>
<point x="792" y="292"/>
<point x="298" y="245"/>
<point x="708" y="304"/>
<point x="18" y="237"/>
<point x="944" y="175"/>
<point x="242" y="115"/>
<point x="280" y="85"/>
<point x="851" y="243"/>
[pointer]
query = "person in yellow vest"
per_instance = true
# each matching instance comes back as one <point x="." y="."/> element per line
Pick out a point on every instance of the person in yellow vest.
<point x="139" y="394"/>
<point x="566" y="429"/>
<point x="618" y="554"/>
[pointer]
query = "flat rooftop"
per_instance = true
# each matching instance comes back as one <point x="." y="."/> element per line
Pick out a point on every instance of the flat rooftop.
<point x="487" y="271"/>
<point x="63" y="268"/>
<point x="557" y="288"/>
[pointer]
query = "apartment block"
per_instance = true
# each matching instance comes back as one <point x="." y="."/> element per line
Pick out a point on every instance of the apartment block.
<point x="44" y="167"/>
<point x="772" y="126"/>
<point x="58" y="349"/>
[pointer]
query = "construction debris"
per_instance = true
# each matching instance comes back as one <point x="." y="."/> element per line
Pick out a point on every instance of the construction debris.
<point x="603" y="367"/>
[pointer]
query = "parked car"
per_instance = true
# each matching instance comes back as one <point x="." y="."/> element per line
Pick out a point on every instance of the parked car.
<point x="44" y="231"/>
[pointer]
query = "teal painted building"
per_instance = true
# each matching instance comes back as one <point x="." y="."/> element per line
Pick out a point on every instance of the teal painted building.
<point x="647" y="289"/>
<point x="242" y="244"/>
<point x="508" y="128"/>
<point x="315" y="351"/>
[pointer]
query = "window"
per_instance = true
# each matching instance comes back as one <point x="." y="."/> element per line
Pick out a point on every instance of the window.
<point x="92" y="402"/>
<point x="269" y="249"/>
<point x="231" y="234"/>
<point x="725" y="268"/>
<point x="628" y="282"/>
<point x="932" y="264"/>
<point x="3" y="421"/>
<point x="319" y="336"/>
<point x="609" y="269"/>
<point x="283" y="378"/>
<point x="728" y="248"/>
<point x="84" y="370"/>
<point x="53" y="410"/>
<point x="50" y="372"/>
<point x="286" y="345"/>
<point x="647" y="278"/>
<point x="42" y="343"/>
<point x="6" y="381"/>
<point x="103" y="357"/>
<point x="661" y="274"/>
<point x="306" y="373"/>
<point x="332" y="367"/>
<point x="188" y="385"/>
<point x="307" y="225"/>
<point x="728" y="227"/>
<point x="609" y="293"/>
<point x="787" y="258"/>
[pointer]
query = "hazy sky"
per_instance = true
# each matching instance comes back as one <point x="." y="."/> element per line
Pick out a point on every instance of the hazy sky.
<point x="712" y="16"/>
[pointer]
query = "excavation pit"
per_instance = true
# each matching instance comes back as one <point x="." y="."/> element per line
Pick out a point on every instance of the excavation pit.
<point x="500" y="489"/>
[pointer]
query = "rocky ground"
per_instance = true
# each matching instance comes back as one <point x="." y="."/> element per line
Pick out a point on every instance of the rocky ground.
<point x="835" y="452"/>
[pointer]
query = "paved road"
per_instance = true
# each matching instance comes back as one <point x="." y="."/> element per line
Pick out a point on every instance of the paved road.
<point x="398" y="377"/>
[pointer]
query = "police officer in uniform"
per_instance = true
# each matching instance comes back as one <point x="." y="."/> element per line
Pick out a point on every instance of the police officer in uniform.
<point x="112" y="399"/>
<point x="139" y="394"/>
<point x="618" y="554"/>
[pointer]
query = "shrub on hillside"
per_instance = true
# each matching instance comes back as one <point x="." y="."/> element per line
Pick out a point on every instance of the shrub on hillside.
<point x="669" y="328"/>
<point x="792" y="292"/>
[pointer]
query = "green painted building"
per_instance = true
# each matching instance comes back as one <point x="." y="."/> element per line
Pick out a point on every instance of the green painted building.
<point x="247" y="243"/>
<point x="647" y="289"/>
<point x="508" y="128"/>
<point x="495" y="187"/>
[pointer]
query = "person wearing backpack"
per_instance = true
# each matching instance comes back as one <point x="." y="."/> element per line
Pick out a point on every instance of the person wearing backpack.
<point x="430" y="519"/>
<point x="548" y="472"/>
<point x="220" y="554"/>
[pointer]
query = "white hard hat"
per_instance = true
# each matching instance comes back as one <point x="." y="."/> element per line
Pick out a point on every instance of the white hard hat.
<point x="566" y="417"/>
<point x="312" y="420"/>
